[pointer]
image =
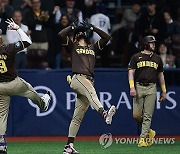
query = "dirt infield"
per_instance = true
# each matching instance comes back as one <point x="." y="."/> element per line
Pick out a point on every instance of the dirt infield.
<point x="63" y="138"/>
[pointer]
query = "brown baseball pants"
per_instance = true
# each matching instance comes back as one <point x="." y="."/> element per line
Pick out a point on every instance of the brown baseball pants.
<point x="86" y="95"/>
<point x="18" y="87"/>
<point x="143" y="106"/>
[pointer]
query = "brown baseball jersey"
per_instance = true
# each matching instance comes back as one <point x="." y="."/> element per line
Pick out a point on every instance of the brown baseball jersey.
<point x="146" y="67"/>
<point x="83" y="62"/>
<point x="83" y="57"/>
<point x="7" y="61"/>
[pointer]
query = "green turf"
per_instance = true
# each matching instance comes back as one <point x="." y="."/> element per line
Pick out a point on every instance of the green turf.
<point x="90" y="147"/>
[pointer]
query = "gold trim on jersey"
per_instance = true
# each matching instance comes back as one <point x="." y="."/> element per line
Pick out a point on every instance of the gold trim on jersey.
<point x="147" y="64"/>
<point x="85" y="51"/>
<point x="99" y="46"/>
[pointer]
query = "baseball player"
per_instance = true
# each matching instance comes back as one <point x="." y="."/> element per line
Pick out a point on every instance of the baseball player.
<point x="83" y="62"/>
<point x="11" y="84"/>
<point x="145" y="68"/>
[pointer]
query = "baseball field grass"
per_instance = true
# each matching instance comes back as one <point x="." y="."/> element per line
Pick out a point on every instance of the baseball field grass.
<point x="89" y="147"/>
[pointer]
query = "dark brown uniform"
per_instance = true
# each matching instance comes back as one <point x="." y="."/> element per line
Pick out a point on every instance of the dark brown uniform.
<point x="7" y="61"/>
<point x="147" y="68"/>
<point x="11" y="84"/>
<point x="83" y="62"/>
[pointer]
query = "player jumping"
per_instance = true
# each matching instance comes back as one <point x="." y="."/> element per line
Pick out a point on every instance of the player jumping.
<point x="83" y="62"/>
<point x="11" y="84"/>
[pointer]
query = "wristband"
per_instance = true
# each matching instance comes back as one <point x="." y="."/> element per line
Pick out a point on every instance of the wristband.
<point x="131" y="83"/>
<point x="163" y="88"/>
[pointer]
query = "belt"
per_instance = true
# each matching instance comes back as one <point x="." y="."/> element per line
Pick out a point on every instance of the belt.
<point x="86" y="76"/>
<point x="144" y="83"/>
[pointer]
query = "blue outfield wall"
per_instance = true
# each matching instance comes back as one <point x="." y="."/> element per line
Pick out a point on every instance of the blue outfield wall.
<point x="25" y="119"/>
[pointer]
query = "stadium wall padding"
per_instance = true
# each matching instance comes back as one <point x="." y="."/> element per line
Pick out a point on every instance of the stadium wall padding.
<point x="25" y="119"/>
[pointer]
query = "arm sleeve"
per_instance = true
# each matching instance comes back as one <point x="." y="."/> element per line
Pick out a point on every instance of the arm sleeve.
<point x="132" y="63"/>
<point x="14" y="48"/>
<point x="65" y="40"/>
<point x="64" y="35"/>
<point x="104" y="38"/>
<point x="25" y="40"/>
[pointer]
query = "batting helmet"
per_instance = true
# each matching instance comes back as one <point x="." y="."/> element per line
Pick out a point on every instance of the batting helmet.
<point x="83" y="30"/>
<point x="146" y="40"/>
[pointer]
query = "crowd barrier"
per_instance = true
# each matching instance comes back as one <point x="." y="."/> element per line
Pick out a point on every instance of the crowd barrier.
<point x="25" y="119"/>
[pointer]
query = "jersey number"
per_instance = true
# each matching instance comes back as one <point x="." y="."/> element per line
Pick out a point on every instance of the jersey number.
<point x="3" y="68"/>
<point x="102" y="23"/>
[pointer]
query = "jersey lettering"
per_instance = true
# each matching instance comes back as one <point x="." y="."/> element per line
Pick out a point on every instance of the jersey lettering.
<point x="85" y="51"/>
<point x="3" y="57"/>
<point x="3" y="68"/>
<point x="102" y="23"/>
<point x="147" y="64"/>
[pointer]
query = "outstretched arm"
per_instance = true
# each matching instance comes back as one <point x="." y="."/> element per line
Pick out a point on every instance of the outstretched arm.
<point x="24" y="39"/>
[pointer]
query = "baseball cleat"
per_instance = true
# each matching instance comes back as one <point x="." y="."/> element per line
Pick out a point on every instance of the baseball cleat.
<point x="46" y="99"/>
<point x="3" y="144"/>
<point x="142" y="143"/>
<point x="150" y="137"/>
<point x="69" y="149"/>
<point x="110" y="113"/>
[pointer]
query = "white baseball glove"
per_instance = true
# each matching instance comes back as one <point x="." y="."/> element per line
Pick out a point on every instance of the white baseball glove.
<point x="12" y="25"/>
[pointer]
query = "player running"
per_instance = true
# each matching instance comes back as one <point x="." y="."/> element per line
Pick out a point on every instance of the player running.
<point x="11" y="84"/>
<point x="83" y="62"/>
<point x="145" y="68"/>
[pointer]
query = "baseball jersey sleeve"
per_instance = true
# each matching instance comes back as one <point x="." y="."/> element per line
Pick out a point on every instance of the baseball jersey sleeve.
<point x="160" y="66"/>
<point x="100" y="44"/>
<point x="68" y="44"/>
<point x="13" y="48"/>
<point x="132" y="63"/>
<point x="97" y="46"/>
